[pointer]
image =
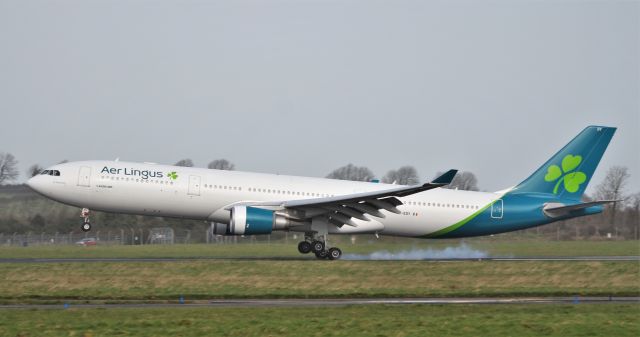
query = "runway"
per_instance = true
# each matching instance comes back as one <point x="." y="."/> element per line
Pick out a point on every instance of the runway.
<point x="306" y="258"/>
<point x="254" y="303"/>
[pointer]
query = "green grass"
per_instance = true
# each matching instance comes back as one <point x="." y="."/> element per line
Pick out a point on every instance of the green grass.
<point x="167" y="281"/>
<point x="493" y="248"/>
<point x="375" y="320"/>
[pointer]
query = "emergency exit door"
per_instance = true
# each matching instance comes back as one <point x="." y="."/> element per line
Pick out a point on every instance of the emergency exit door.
<point x="194" y="185"/>
<point x="84" y="176"/>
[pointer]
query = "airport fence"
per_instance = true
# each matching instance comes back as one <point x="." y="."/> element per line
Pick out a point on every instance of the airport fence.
<point x="168" y="235"/>
<point x="141" y="236"/>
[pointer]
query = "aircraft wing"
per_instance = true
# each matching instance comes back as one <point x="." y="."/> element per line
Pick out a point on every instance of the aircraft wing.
<point x="340" y="209"/>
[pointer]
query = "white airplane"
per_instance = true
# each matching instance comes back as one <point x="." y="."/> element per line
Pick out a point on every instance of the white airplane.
<point x="256" y="203"/>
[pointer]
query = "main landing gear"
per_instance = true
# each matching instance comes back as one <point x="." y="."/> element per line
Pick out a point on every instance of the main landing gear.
<point x="317" y="245"/>
<point x="86" y="225"/>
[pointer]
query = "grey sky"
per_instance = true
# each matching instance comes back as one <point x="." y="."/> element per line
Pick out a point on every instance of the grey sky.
<point x="302" y="87"/>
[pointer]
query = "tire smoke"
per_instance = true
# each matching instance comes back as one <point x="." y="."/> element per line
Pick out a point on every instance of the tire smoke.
<point x="449" y="253"/>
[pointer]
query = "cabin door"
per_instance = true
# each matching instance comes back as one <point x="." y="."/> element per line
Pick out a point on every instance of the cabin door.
<point x="84" y="176"/>
<point x="194" y="185"/>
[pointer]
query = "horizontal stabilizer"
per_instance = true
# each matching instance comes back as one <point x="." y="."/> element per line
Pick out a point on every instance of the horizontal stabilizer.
<point x="556" y="209"/>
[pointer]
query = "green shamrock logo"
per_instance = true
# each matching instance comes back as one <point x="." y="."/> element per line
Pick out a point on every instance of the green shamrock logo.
<point x="572" y="180"/>
<point x="173" y="175"/>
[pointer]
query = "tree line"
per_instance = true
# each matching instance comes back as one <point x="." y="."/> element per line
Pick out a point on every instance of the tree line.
<point x="24" y="210"/>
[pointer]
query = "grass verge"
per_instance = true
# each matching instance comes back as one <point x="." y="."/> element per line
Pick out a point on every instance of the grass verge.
<point x="373" y="320"/>
<point x="120" y="281"/>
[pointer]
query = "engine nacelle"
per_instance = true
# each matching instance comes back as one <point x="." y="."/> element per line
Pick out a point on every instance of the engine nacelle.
<point x="220" y="228"/>
<point x="247" y="220"/>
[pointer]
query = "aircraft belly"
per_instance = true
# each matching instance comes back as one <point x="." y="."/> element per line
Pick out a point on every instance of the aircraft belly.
<point x="423" y="223"/>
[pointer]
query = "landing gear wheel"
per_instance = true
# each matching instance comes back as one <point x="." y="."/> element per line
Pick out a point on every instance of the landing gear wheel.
<point x="317" y="246"/>
<point x="304" y="247"/>
<point x="86" y="227"/>
<point x="321" y="255"/>
<point x="334" y="253"/>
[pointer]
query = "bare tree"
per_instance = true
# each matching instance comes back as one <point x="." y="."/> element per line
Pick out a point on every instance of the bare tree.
<point x="34" y="170"/>
<point x="406" y="175"/>
<point x="612" y="188"/>
<point x="466" y="181"/>
<point x="221" y="164"/>
<point x="633" y="207"/>
<point x="351" y="172"/>
<point x="8" y="170"/>
<point x="185" y="163"/>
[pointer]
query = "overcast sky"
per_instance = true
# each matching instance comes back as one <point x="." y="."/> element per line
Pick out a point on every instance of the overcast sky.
<point x="302" y="87"/>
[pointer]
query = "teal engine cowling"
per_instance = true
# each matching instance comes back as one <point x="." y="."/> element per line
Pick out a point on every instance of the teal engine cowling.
<point x="247" y="220"/>
<point x="251" y="220"/>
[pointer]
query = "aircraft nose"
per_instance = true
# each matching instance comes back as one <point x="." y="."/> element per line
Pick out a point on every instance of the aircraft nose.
<point x="33" y="182"/>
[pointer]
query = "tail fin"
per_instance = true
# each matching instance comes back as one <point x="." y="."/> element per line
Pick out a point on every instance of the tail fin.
<point x="569" y="171"/>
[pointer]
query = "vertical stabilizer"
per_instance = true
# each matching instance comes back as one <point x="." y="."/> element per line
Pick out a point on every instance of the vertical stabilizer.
<point x="569" y="171"/>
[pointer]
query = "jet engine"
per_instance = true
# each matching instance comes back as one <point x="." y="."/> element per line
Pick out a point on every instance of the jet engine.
<point x="247" y="220"/>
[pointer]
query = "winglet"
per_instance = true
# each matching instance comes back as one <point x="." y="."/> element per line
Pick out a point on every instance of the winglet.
<point x="444" y="179"/>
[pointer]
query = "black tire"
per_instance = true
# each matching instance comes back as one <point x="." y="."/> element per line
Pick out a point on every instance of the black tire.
<point x="317" y="246"/>
<point x="321" y="255"/>
<point x="85" y="227"/>
<point x="334" y="253"/>
<point x="304" y="247"/>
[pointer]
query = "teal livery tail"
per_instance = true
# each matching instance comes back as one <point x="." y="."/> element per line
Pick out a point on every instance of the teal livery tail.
<point x="569" y="171"/>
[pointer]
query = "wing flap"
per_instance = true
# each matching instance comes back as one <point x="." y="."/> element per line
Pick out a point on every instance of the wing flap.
<point x="350" y="212"/>
<point x="383" y="204"/>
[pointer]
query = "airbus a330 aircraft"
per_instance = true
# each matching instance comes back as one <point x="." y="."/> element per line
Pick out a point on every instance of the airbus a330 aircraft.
<point x="256" y="203"/>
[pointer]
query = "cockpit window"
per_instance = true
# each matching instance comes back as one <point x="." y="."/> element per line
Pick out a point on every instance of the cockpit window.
<point x="51" y="172"/>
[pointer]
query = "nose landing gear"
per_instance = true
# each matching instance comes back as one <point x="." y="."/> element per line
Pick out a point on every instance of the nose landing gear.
<point x="86" y="225"/>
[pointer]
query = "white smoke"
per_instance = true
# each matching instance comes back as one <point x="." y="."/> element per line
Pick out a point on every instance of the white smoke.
<point x="459" y="252"/>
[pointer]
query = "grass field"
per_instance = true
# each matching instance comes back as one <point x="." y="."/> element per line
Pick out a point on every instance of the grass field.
<point x="490" y="247"/>
<point x="167" y="281"/>
<point x="380" y="320"/>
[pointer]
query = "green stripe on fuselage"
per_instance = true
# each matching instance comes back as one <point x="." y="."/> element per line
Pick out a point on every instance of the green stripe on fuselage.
<point x="461" y="222"/>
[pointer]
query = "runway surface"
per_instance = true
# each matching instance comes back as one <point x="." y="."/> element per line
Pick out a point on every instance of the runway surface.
<point x="249" y="303"/>
<point x="258" y="258"/>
